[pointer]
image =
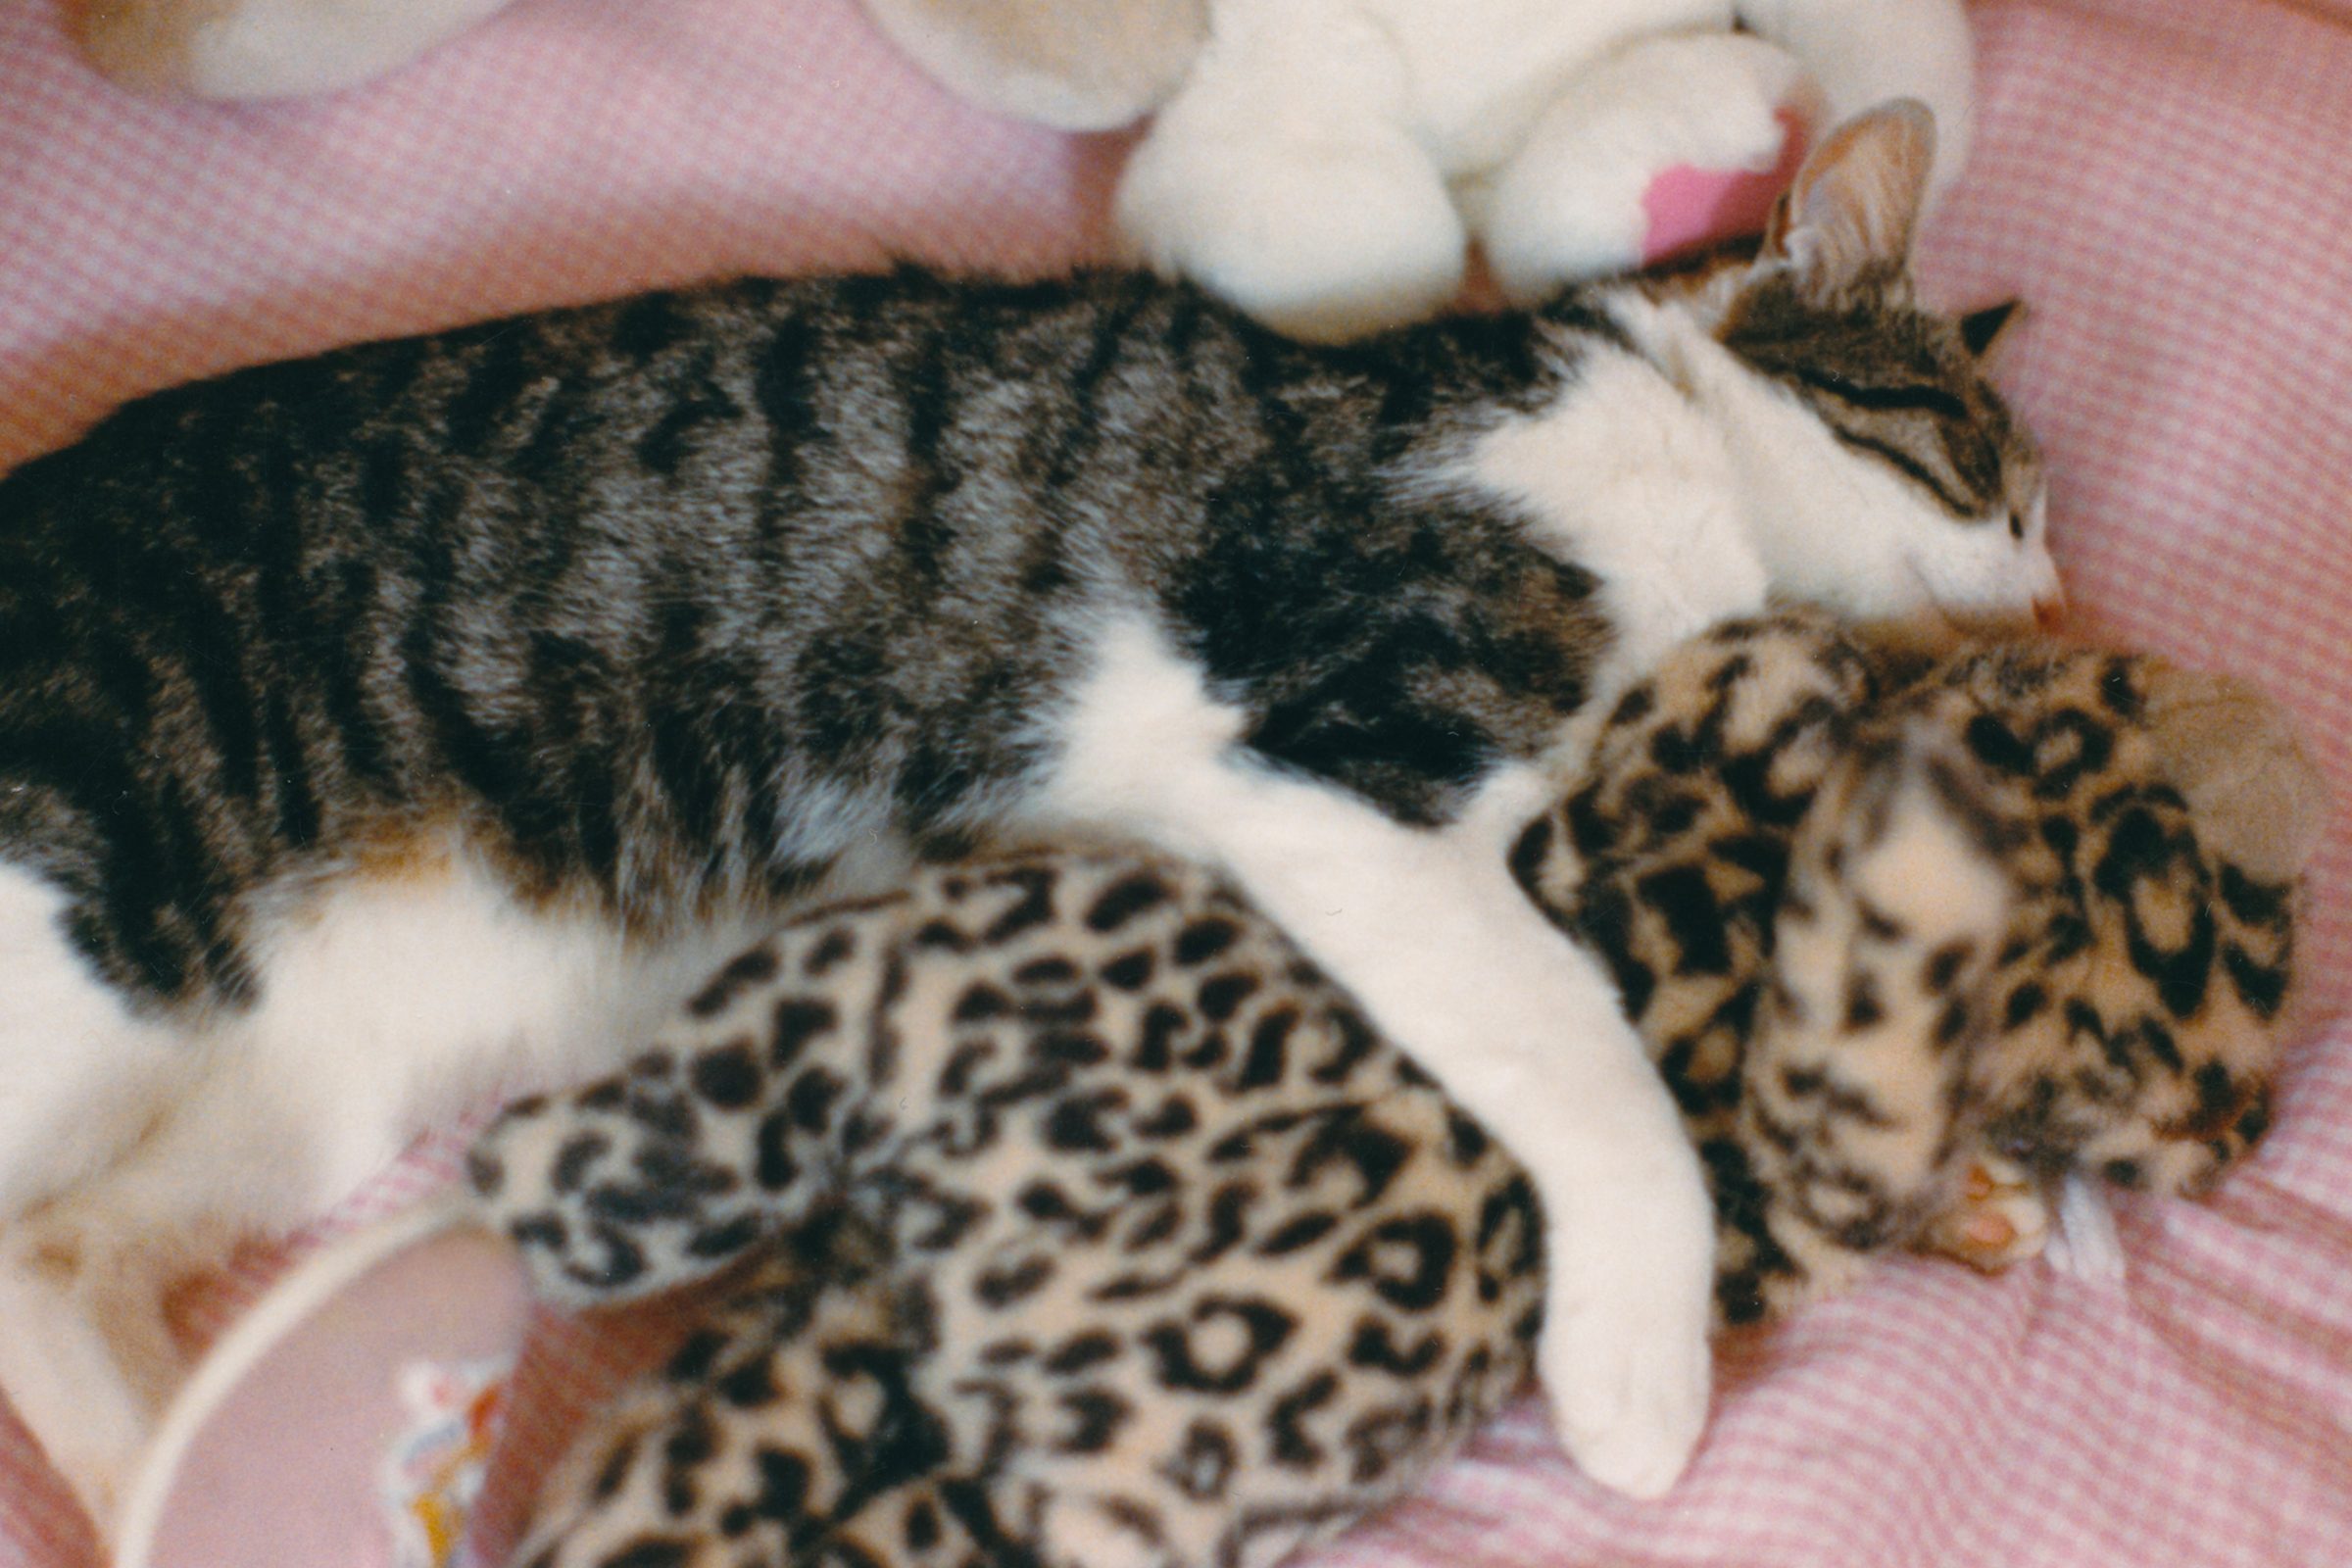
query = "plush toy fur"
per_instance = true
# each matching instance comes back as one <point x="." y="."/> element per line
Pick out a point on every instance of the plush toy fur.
<point x="1922" y="937"/>
<point x="1323" y="164"/>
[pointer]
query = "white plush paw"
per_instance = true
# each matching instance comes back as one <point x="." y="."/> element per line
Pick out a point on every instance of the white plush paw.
<point x="265" y="48"/>
<point x="1572" y="203"/>
<point x="1324" y="240"/>
<point x="1624" y="1357"/>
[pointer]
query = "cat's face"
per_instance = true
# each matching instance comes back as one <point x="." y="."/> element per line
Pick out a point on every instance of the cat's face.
<point x="1925" y="491"/>
<point x="1892" y="477"/>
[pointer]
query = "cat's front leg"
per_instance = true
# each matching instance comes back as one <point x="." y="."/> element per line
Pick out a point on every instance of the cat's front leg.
<point x="1523" y="1030"/>
<point x="1526" y="1032"/>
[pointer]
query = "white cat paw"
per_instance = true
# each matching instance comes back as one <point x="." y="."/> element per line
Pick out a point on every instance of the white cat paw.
<point x="1324" y="240"/>
<point x="1633" y="1405"/>
<point x="1624" y="1357"/>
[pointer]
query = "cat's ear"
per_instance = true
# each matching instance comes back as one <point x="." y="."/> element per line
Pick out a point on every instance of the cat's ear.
<point x="1987" y="329"/>
<point x="1846" y="220"/>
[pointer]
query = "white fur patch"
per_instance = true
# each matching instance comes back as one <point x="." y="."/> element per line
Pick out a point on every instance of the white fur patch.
<point x="387" y="1004"/>
<point x="1631" y="479"/>
<point x="79" y="1077"/>
<point x="390" y="1002"/>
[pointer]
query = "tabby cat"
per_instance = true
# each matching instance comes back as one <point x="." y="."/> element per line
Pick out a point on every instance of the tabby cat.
<point x="382" y="727"/>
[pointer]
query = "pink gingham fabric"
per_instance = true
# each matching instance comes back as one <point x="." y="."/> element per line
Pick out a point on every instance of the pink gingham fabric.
<point x="2169" y="184"/>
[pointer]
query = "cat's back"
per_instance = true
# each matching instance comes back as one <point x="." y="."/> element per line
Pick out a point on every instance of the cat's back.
<point x="571" y="406"/>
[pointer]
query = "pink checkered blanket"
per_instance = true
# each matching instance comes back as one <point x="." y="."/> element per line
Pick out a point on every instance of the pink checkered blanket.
<point x="2169" y="183"/>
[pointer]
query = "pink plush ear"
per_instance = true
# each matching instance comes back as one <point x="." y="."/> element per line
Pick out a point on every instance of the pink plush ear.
<point x="1690" y="207"/>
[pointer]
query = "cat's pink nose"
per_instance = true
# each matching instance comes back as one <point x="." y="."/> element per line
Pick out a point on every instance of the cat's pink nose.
<point x="2049" y="611"/>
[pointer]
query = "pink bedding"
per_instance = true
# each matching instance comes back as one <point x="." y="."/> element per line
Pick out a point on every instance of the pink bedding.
<point x="2167" y="181"/>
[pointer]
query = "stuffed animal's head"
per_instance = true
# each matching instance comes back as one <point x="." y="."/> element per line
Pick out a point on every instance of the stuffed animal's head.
<point x="1891" y="918"/>
<point x="2160" y="820"/>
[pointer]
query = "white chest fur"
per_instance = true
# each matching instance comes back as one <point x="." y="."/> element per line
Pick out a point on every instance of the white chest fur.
<point x="1628" y="477"/>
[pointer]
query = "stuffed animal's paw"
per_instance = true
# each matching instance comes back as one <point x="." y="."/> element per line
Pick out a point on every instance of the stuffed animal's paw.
<point x="2004" y="1216"/>
<point x="1324" y="243"/>
<point x="1284" y="177"/>
<point x="1668" y="143"/>
<point x="1999" y="1217"/>
<point x="263" y="48"/>
<point x="607" y="1192"/>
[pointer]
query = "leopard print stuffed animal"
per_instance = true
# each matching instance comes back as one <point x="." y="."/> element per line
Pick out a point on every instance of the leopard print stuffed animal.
<point x="1074" y="1218"/>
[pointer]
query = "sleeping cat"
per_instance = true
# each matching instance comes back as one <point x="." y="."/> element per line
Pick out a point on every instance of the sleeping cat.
<point x="383" y="727"/>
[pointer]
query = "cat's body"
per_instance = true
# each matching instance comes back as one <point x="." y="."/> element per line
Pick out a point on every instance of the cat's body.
<point x="379" y="728"/>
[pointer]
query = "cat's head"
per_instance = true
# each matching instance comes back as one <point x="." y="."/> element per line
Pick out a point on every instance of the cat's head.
<point x="1890" y="476"/>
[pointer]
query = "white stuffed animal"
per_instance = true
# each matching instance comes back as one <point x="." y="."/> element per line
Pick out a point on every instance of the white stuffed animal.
<point x="1323" y="164"/>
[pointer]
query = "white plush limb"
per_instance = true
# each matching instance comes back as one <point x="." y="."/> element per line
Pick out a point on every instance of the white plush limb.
<point x="1282" y="177"/>
<point x="1075" y="65"/>
<point x="1864" y="52"/>
<point x="266" y="48"/>
<point x="1570" y="204"/>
